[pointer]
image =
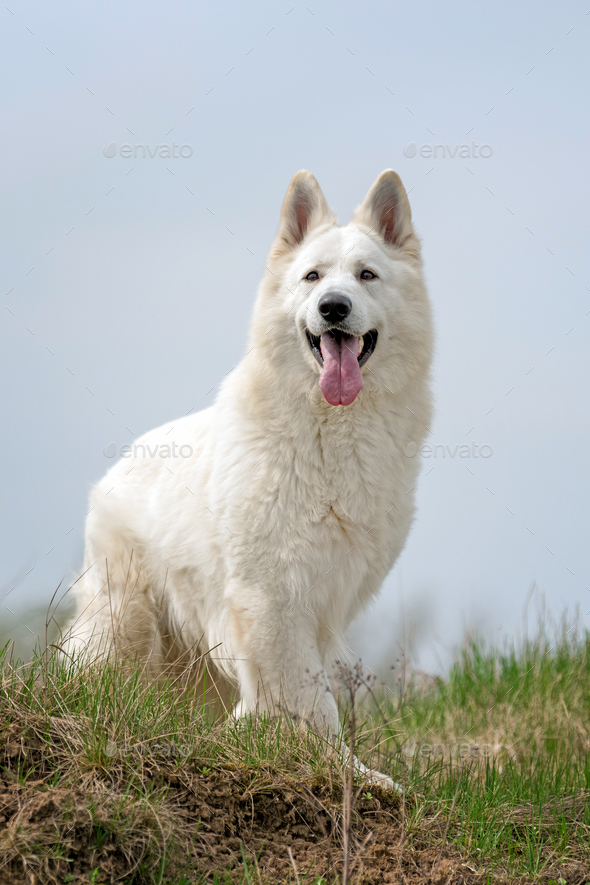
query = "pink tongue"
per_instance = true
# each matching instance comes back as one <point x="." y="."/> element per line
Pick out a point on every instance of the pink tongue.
<point x="340" y="378"/>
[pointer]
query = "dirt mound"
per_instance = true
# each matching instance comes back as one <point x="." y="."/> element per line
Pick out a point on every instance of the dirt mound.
<point x="179" y="824"/>
<point x="63" y="835"/>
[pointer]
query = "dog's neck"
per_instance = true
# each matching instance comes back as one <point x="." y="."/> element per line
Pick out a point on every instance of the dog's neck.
<point x="270" y="402"/>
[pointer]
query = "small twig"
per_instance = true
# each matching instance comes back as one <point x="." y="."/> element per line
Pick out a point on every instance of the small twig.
<point x="294" y="865"/>
<point x="348" y="782"/>
<point x="111" y="609"/>
<point x="583" y="661"/>
<point x="48" y="618"/>
<point x="402" y="878"/>
<point x="353" y="681"/>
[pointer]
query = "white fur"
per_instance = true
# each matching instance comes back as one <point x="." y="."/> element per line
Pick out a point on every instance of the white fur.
<point x="281" y="527"/>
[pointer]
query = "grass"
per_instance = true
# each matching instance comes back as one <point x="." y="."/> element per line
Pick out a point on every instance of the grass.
<point x="105" y="777"/>
<point x="504" y="741"/>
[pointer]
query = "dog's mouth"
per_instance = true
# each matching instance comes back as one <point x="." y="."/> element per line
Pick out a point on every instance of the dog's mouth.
<point x="340" y="357"/>
<point x="365" y="344"/>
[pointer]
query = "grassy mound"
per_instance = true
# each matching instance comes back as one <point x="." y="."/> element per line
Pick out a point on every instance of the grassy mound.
<point x="106" y="777"/>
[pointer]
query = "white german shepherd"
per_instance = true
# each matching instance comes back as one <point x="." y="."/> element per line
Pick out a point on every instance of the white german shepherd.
<point x="297" y="499"/>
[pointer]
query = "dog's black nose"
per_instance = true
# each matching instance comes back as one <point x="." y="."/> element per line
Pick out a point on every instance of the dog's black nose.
<point x="334" y="306"/>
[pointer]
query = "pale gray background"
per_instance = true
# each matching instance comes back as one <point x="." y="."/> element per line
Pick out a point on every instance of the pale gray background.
<point x="146" y="295"/>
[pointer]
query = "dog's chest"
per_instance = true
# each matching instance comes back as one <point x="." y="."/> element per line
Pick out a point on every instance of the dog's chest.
<point x="334" y="518"/>
<point x="302" y="507"/>
<point x="335" y="488"/>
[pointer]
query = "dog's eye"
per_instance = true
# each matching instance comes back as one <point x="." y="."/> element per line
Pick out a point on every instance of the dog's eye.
<point x="312" y="276"/>
<point x="368" y="275"/>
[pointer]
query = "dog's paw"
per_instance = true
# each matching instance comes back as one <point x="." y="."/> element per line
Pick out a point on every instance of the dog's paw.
<point x="377" y="779"/>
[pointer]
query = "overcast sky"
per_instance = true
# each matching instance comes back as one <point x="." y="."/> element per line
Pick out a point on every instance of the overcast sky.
<point x="129" y="281"/>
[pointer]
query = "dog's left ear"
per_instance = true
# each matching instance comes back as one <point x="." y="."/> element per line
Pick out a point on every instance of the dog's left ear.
<point x="386" y="209"/>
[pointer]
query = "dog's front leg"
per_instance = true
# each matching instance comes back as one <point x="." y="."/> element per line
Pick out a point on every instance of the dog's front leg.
<point x="275" y="654"/>
<point x="276" y="657"/>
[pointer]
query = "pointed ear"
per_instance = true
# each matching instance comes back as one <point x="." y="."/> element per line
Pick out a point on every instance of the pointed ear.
<point x="386" y="209"/>
<point x="303" y="209"/>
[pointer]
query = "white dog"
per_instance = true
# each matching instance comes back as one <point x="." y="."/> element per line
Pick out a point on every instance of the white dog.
<point x="279" y="528"/>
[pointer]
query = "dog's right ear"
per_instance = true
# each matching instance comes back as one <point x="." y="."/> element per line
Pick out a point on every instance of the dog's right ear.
<point x="303" y="209"/>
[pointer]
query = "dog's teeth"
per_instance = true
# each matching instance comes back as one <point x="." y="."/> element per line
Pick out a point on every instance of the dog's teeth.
<point x="361" y="345"/>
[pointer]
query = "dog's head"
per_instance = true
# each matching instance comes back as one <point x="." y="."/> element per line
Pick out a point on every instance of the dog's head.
<point x="347" y="304"/>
